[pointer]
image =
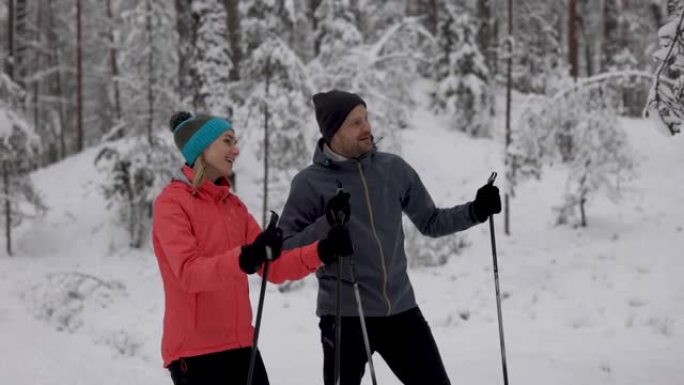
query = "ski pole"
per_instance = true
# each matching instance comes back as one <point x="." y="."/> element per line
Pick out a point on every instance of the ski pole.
<point x="340" y="219"/>
<point x="498" y="294"/>
<point x="364" y="330"/>
<point x="338" y="324"/>
<point x="260" y="308"/>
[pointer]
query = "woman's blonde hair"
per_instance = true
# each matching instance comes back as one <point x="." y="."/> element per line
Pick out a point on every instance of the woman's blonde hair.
<point x="198" y="171"/>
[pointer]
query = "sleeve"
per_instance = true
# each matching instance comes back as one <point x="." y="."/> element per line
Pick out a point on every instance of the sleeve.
<point x="293" y="264"/>
<point x="303" y="218"/>
<point x="195" y="271"/>
<point x="431" y="221"/>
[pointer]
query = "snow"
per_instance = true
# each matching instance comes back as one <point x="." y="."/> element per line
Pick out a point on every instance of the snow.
<point x="596" y="305"/>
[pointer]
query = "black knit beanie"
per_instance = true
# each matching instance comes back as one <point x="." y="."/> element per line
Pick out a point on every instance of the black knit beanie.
<point x="332" y="108"/>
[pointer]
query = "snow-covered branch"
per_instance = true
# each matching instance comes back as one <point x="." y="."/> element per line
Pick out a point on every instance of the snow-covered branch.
<point x="665" y="105"/>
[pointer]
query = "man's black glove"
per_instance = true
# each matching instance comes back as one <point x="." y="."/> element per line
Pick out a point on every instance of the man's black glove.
<point x="254" y="254"/>
<point x="487" y="202"/>
<point x="337" y="210"/>
<point x="336" y="244"/>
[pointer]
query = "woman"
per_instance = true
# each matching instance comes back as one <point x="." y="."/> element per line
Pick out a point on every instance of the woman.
<point x="206" y="243"/>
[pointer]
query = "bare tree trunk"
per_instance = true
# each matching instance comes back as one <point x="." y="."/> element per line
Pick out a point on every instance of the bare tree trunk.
<point x="113" y="65"/>
<point x="55" y="62"/>
<point x="234" y="33"/>
<point x="79" y="79"/>
<point x="267" y="74"/>
<point x="37" y="67"/>
<point x="509" y="86"/>
<point x="8" y="212"/>
<point x="588" y="52"/>
<point x="150" y="72"/>
<point x="572" y="38"/>
<point x="313" y="5"/>
<point x="9" y="67"/>
<point x="21" y="46"/>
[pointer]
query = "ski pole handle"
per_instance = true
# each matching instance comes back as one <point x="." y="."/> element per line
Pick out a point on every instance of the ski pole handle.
<point x="271" y="223"/>
<point x="492" y="178"/>
<point x="340" y="217"/>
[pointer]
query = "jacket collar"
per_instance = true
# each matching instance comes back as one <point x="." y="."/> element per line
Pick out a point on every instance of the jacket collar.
<point x="217" y="191"/>
<point x="325" y="156"/>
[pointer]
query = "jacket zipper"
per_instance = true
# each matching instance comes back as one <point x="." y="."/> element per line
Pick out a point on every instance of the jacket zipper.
<point x="377" y="239"/>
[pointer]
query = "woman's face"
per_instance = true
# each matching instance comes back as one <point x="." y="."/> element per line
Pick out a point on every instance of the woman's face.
<point x="220" y="156"/>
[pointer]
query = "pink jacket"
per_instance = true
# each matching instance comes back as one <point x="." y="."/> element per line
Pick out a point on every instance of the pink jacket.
<point x="197" y="240"/>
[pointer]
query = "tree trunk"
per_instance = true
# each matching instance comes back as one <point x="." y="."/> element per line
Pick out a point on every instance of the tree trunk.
<point x="267" y="75"/>
<point x="313" y="6"/>
<point x="9" y="67"/>
<point x="21" y="47"/>
<point x="57" y="87"/>
<point x="8" y="212"/>
<point x="234" y="33"/>
<point x="509" y="86"/>
<point x="187" y="35"/>
<point x="37" y="68"/>
<point x="572" y="38"/>
<point x="150" y="71"/>
<point x="79" y="79"/>
<point x="588" y="52"/>
<point x="610" y="34"/>
<point x="486" y="38"/>
<point x="113" y="65"/>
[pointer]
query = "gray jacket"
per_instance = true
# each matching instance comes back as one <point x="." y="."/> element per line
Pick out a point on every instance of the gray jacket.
<point x="382" y="186"/>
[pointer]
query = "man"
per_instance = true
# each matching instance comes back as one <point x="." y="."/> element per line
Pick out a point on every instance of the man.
<point x="382" y="187"/>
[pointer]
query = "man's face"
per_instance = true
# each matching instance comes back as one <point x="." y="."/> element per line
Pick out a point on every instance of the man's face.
<point x="354" y="137"/>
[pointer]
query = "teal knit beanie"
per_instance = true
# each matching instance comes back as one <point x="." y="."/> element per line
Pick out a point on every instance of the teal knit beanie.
<point x="193" y="134"/>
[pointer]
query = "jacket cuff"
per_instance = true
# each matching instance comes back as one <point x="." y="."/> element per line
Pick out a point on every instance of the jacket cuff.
<point x="229" y="265"/>
<point x="471" y="213"/>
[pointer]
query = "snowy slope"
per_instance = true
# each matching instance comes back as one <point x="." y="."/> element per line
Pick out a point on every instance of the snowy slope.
<point x="600" y="305"/>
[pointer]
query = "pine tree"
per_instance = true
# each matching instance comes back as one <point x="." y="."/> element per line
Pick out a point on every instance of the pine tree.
<point x="538" y="63"/>
<point x="210" y="59"/>
<point x="148" y="64"/>
<point x="276" y="89"/>
<point x="381" y="71"/>
<point x="19" y="150"/>
<point x="461" y="74"/>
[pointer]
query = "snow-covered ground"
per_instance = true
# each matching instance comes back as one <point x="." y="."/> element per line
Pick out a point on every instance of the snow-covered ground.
<point x="596" y="305"/>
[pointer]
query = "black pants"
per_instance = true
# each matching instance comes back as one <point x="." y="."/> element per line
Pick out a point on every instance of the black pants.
<point x="403" y="340"/>
<point x="229" y="367"/>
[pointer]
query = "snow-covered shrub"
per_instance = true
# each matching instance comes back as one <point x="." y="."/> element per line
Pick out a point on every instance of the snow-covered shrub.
<point x="61" y="298"/>
<point x="423" y="251"/>
<point x="135" y="175"/>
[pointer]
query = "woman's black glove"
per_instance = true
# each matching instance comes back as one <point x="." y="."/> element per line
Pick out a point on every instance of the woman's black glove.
<point x="254" y="254"/>
<point x="336" y="244"/>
